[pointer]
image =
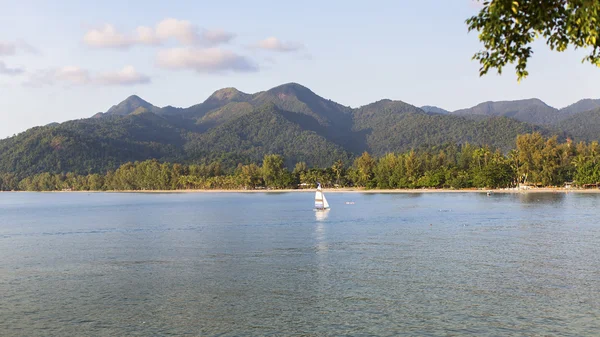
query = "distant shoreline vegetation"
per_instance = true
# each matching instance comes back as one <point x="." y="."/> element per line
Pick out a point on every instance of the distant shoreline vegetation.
<point x="535" y="161"/>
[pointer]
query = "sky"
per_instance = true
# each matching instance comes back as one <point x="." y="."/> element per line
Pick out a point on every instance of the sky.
<point x="64" y="60"/>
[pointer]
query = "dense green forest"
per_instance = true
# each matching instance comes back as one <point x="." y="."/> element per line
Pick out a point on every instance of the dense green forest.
<point x="535" y="160"/>
<point x="231" y="128"/>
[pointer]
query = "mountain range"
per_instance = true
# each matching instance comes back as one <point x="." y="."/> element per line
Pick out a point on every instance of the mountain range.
<point x="234" y="127"/>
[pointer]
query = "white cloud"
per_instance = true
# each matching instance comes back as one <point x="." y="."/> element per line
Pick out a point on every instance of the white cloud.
<point x="5" y="70"/>
<point x="145" y="35"/>
<point x="73" y="75"/>
<point x="217" y="36"/>
<point x="274" y="44"/>
<point x="107" y="37"/>
<point x="126" y="76"/>
<point x="204" y="60"/>
<point x="182" y="31"/>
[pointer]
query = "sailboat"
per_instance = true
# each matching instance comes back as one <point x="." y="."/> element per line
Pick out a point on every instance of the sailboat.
<point x="321" y="203"/>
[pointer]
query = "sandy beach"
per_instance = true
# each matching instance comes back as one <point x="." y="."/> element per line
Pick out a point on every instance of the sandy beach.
<point x="357" y="190"/>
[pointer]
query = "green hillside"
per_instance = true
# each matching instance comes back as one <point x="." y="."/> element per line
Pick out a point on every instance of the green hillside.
<point x="584" y="126"/>
<point x="391" y="126"/>
<point x="532" y="111"/>
<point x="233" y="127"/>
<point x="91" y="145"/>
<point x="580" y="106"/>
<point x="266" y="130"/>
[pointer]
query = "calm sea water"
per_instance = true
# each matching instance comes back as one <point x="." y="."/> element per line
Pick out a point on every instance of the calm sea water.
<point x="112" y="264"/>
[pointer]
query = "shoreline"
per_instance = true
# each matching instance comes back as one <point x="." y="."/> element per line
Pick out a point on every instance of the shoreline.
<point x="349" y="190"/>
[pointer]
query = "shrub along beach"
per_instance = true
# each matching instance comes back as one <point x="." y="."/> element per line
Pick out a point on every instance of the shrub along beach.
<point x="536" y="161"/>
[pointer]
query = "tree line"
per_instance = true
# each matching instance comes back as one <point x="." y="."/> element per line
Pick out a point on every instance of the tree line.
<point x="536" y="160"/>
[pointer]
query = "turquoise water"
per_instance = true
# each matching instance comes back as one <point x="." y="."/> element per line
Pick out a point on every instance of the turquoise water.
<point x="117" y="264"/>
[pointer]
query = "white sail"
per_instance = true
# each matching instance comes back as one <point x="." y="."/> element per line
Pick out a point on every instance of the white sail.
<point x="320" y="201"/>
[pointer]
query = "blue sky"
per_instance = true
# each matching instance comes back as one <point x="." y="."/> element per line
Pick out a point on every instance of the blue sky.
<point x="70" y="59"/>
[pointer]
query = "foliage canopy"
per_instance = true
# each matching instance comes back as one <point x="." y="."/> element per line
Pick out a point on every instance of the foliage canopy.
<point x="507" y="29"/>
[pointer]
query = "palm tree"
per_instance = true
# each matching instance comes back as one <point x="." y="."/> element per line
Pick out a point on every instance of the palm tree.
<point x="338" y="169"/>
<point x="513" y="155"/>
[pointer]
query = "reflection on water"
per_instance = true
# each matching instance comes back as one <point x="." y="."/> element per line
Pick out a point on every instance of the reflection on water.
<point x="321" y="237"/>
<point x="542" y="198"/>
<point x="263" y="264"/>
<point x="321" y="215"/>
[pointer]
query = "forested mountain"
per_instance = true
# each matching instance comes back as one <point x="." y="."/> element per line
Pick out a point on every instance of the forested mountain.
<point x="267" y="130"/>
<point x="527" y="110"/>
<point x="226" y="98"/>
<point x="91" y="145"/>
<point x="580" y="106"/>
<point x="132" y="105"/>
<point x="584" y="126"/>
<point x="434" y="109"/>
<point x="233" y="127"/>
<point x="390" y="126"/>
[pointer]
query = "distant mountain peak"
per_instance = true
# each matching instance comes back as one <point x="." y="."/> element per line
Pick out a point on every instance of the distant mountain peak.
<point x="530" y="110"/>
<point x="130" y="105"/>
<point x="290" y="85"/>
<point x="385" y="102"/>
<point x="586" y="100"/>
<point x="291" y="88"/>
<point x="536" y="101"/>
<point x="516" y="101"/>
<point x="135" y="100"/>
<point x="583" y="105"/>
<point x="135" y="97"/>
<point x="434" y="109"/>
<point x="227" y="94"/>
